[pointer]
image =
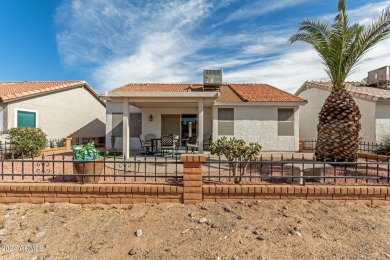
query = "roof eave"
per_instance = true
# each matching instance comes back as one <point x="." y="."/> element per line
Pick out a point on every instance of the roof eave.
<point x="263" y="103"/>
<point x="161" y="94"/>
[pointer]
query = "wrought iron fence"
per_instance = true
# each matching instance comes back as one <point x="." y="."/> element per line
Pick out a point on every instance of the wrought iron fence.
<point x="364" y="147"/>
<point x="271" y="170"/>
<point x="115" y="169"/>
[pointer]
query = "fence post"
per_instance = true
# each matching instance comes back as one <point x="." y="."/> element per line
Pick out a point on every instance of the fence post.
<point x="68" y="142"/>
<point x="300" y="147"/>
<point x="192" y="177"/>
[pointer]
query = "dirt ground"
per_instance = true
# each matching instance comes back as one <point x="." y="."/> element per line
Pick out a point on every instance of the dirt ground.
<point x="295" y="229"/>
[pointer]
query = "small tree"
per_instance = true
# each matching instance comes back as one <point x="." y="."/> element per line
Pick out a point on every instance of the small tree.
<point x="237" y="152"/>
<point x="27" y="141"/>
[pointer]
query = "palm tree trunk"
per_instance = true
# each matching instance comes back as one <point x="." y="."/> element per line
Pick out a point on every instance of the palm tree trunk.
<point x="338" y="128"/>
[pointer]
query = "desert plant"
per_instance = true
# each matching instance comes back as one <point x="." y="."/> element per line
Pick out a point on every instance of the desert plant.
<point x="384" y="146"/>
<point x="27" y="141"/>
<point x="237" y="152"/>
<point x="86" y="152"/>
<point x="340" y="46"/>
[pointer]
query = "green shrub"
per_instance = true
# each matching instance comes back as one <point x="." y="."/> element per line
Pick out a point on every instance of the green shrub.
<point x="237" y="152"/>
<point x="384" y="146"/>
<point x="27" y="141"/>
<point x="87" y="152"/>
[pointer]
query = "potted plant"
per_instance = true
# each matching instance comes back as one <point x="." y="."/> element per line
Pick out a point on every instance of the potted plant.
<point x="87" y="161"/>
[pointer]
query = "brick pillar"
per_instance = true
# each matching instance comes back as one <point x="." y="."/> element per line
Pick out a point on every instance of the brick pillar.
<point x="68" y="142"/>
<point x="192" y="177"/>
<point x="300" y="145"/>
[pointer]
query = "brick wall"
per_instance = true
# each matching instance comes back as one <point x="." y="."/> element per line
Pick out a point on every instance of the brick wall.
<point x="89" y="193"/>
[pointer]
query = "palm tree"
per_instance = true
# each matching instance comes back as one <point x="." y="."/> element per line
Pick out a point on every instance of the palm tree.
<point x="340" y="46"/>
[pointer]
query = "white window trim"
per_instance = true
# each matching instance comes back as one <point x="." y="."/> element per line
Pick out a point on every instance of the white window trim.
<point x="26" y="110"/>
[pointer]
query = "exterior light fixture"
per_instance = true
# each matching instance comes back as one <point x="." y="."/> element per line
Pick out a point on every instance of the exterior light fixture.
<point x="150" y="118"/>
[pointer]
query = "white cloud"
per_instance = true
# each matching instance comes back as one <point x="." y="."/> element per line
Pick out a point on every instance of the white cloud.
<point x="258" y="8"/>
<point x="167" y="41"/>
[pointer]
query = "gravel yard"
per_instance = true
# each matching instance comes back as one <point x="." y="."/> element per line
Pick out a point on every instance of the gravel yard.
<point x="295" y="229"/>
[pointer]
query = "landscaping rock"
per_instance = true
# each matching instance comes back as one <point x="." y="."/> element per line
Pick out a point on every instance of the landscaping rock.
<point x="261" y="237"/>
<point x="133" y="251"/>
<point x="297" y="228"/>
<point x="202" y="220"/>
<point x="192" y="214"/>
<point x="138" y="233"/>
<point x="239" y="217"/>
<point x="227" y="209"/>
<point x="40" y="234"/>
<point x="235" y="257"/>
<point x="203" y="207"/>
<point x="12" y="207"/>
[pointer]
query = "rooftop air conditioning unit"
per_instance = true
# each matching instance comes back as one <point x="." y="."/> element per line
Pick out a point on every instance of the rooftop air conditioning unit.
<point x="212" y="78"/>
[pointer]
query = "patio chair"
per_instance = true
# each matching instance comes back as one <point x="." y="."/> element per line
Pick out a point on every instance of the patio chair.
<point x="145" y="145"/>
<point x="167" y="143"/>
<point x="206" y="140"/>
<point x="192" y="143"/>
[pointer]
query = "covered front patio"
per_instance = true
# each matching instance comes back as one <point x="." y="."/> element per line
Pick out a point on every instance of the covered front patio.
<point x="183" y="114"/>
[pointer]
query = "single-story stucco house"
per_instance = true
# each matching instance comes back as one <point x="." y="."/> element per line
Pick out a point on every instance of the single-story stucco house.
<point x="373" y="102"/>
<point x="59" y="108"/>
<point x="253" y="112"/>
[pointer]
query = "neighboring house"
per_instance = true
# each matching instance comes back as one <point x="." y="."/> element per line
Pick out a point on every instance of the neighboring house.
<point x="373" y="102"/>
<point x="59" y="108"/>
<point x="254" y="112"/>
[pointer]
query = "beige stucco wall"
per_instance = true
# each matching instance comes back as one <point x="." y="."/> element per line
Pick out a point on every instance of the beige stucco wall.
<point x="73" y="112"/>
<point x="309" y="115"/>
<point x="382" y="121"/>
<point x="150" y="127"/>
<point x="260" y="124"/>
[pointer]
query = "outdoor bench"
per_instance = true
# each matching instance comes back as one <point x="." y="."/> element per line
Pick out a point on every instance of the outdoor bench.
<point x="298" y="168"/>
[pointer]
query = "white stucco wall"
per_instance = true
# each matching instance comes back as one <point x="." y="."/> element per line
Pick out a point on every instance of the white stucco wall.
<point x="260" y="124"/>
<point x="150" y="127"/>
<point x="309" y="115"/>
<point x="382" y="121"/>
<point x="73" y="112"/>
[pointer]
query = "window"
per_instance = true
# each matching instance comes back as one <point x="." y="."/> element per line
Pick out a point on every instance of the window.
<point x="135" y="124"/>
<point x="225" y="121"/>
<point x="26" y="118"/>
<point x="285" y="121"/>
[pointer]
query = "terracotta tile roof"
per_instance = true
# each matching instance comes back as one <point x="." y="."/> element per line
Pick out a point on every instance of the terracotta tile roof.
<point x="237" y="92"/>
<point x="11" y="90"/>
<point x="354" y="88"/>
<point x="158" y="87"/>
<point x="227" y="95"/>
<point x="257" y="92"/>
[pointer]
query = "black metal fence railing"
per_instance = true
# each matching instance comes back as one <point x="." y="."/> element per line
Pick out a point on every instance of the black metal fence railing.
<point x="364" y="147"/>
<point x="297" y="170"/>
<point x="269" y="169"/>
<point x="5" y="147"/>
<point x="114" y="169"/>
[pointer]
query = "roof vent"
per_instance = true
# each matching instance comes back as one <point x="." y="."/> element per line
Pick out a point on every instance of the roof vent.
<point x="212" y="79"/>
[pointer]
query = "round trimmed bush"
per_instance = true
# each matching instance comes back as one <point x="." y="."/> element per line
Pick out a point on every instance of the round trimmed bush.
<point x="27" y="141"/>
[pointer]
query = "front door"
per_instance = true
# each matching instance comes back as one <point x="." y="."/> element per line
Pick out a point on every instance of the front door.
<point x="188" y="126"/>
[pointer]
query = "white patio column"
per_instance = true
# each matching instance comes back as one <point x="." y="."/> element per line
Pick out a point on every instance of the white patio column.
<point x="126" y="129"/>
<point x="200" y="124"/>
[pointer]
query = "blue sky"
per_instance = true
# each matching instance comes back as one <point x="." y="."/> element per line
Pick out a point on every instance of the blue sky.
<point x="111" y="43"/>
